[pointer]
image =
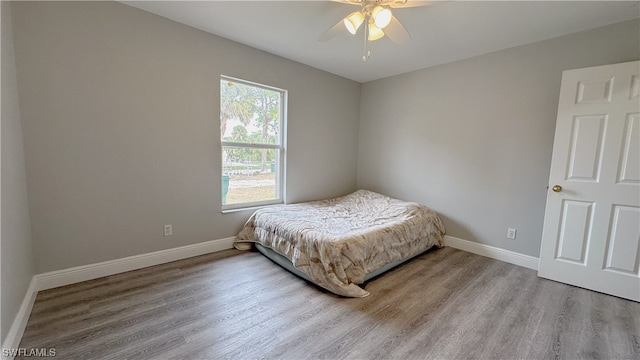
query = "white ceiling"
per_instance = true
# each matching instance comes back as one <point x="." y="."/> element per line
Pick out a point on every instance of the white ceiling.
<point x="440" y="33"/>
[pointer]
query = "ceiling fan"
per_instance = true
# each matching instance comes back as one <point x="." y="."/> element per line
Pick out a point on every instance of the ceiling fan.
<point x="378" y="21"/>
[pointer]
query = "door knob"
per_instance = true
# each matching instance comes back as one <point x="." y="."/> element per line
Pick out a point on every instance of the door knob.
<point x="556" y="188"/>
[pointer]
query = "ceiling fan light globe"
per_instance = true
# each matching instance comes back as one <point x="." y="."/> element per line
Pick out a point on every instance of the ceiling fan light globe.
<point x="353" y="22"/>
<point x="381" y="16"/>
<point x="375" y="32"/>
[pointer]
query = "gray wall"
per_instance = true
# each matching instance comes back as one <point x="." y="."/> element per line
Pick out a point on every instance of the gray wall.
<point x="120" y="118"/>
<point x="17" y="258"/>
<point x="119" y="115"/>
<point x="473" y="139"/>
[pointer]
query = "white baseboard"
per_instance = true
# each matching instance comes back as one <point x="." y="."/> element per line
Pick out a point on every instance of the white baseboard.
<point x="12" y="341"/>
<point x="493" y="252"/>
<point x="77" y="274"/>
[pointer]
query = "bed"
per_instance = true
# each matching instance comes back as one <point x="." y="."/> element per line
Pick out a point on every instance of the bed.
<point x="342" y="242"/>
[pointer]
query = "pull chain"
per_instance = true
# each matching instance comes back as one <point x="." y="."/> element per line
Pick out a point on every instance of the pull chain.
<point x="365" y="52"/>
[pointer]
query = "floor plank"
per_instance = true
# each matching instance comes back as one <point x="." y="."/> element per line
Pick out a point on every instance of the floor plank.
<point x="445" y="304"/>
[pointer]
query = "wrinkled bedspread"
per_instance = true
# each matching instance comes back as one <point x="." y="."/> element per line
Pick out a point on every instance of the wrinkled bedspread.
<point x="338" y="241"/>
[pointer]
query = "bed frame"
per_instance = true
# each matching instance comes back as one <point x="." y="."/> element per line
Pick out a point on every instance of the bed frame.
<point x="285" y="263"/>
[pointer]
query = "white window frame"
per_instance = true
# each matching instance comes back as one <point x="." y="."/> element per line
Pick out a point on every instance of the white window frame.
<point x="281" y="147"/>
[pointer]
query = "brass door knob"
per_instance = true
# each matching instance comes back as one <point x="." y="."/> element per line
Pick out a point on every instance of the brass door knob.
<point x="556" y="188"/>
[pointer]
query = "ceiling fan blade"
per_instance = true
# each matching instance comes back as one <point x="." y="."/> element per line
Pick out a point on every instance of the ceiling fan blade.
<point x="396" y="32"/>
<point x="336" y="29"/>
<point x="350" y="2"/>
<point x="396" y="4"/>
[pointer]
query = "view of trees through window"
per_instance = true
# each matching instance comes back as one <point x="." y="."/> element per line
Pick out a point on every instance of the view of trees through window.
<point x="251" y="128"/>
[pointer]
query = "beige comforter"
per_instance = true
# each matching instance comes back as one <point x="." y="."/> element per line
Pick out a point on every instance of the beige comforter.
<point x="336" y="242"/>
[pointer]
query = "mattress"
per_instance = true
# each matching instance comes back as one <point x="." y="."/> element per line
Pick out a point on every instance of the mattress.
<point x="337" y="242"/>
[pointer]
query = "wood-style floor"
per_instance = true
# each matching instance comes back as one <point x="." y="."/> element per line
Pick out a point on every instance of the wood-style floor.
<point x="445" y="304"/>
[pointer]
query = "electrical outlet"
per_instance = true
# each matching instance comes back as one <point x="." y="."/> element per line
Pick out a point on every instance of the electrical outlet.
<point x="168" y="230"/>
<point x="511" y="233"/>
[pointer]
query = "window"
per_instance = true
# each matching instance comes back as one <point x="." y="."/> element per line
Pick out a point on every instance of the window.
<point x="252" y="124"/>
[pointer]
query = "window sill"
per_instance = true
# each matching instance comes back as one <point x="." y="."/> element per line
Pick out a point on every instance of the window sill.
<point x="248" y="208"/>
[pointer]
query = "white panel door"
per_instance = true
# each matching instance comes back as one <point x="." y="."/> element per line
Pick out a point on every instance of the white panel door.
<point x="591" y="235"/>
